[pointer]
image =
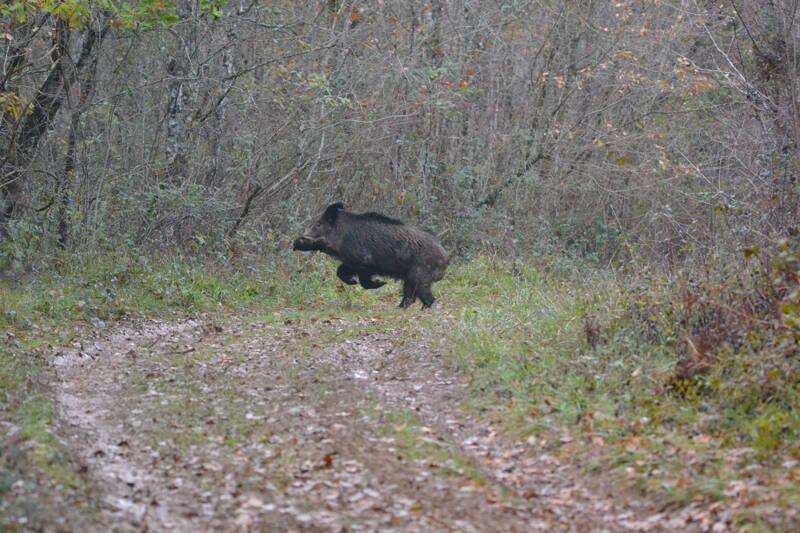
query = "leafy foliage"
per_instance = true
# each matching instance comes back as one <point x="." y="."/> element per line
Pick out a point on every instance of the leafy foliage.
<point x="140" y="13"/>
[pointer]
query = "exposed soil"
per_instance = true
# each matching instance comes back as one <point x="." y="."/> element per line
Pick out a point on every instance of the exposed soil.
<point x="204" y="426"/>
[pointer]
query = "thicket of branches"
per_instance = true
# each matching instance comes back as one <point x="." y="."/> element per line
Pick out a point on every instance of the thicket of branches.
<point x="659" y="128"/>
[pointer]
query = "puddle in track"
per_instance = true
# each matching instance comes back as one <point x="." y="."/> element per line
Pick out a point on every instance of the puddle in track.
<point x="193" y="426"/>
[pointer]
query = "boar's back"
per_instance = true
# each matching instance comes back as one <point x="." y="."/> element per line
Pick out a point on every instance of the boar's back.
<point x="387" y="246"/>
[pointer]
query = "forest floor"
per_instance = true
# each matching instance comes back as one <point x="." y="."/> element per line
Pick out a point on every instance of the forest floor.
<point x="171" y="396"/>
<point x="219" y="423"/>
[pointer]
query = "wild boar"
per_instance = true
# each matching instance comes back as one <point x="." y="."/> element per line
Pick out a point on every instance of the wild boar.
<point x="371" y="244"/>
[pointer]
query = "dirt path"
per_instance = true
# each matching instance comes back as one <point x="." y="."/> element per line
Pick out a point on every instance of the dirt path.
<point x="328" y="426"/>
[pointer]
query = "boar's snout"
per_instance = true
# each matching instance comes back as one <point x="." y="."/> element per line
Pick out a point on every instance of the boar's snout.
<point x="308" y="243"/>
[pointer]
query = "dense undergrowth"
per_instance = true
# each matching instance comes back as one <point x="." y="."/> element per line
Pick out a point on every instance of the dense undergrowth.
<point x="688" y="384"/>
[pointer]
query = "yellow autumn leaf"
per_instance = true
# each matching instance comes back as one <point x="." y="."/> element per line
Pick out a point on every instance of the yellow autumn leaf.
<point x="749" y="252"/>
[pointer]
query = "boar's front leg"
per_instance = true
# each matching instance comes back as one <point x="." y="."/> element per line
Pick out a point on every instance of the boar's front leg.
<point x="368" y="283"/>
<point x="346" y="274"/>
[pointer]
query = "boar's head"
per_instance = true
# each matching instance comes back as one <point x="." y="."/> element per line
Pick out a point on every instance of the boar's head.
<point x="318" y="236"/>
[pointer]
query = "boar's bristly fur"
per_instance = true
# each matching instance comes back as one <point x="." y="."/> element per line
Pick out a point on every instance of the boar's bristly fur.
<point x="371" y="244"/>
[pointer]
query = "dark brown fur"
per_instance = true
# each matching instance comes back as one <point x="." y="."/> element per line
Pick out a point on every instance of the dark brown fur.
<point x="372" y="244"/>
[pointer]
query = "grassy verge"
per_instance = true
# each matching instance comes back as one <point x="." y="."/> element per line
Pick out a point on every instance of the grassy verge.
<point x="33" y="469"/>
<point x="691" y="389"/>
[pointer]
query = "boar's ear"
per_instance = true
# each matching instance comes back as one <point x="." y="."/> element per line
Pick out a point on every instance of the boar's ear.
<point x="332" y="212"/>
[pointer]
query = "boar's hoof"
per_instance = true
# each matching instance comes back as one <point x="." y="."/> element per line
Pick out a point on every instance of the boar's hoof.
<point x="427" y="302"/>
<point x="427" y="305"/>
<point x="405" y="302"/>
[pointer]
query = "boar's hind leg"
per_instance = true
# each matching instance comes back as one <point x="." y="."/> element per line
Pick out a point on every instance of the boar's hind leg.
<point x="346" y="274"/>
<point x="417" y="284"/>
<point x="368" y="283"/>
<point x="409" y="292"/>
<point x="426" y="296"/>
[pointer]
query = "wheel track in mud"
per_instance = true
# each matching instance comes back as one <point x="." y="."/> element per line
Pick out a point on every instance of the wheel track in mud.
<point x="189" y="426"/>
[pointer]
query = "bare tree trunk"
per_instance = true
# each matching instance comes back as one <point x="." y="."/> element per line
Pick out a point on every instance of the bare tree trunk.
<point x="87" y="79"/>
<point x="180" y="95"/>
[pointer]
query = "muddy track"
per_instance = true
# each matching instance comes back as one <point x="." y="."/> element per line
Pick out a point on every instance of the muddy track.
<point x="203" y="426"/>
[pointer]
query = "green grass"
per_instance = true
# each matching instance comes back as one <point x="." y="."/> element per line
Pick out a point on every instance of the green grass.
<point x="38" y="416"/>
<point x="86" y="289"/>
<point x="519" y="336"/>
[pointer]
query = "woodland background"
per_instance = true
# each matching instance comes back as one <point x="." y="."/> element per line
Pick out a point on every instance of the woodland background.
<point x="655" y="130"/>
